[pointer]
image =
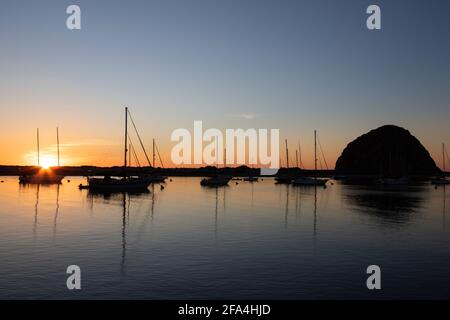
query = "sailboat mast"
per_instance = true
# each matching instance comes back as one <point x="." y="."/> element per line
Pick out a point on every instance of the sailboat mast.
<point x="315" y="152"/>
<point x="57" y="143"/>
<point x="287" y="155"/>
<point x="300" y="154"/>
<point x="154" y="154"/>
<point x="129" y="154"/>
<point x="126" y="137"/>
<point x="38" y="158"/>
<point x="296" y="158"/>
<point x="443" y="157"/>
<point x="217" y="154"/>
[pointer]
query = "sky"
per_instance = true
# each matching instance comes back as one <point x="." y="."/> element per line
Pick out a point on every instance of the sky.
<point x="292" y="65"/>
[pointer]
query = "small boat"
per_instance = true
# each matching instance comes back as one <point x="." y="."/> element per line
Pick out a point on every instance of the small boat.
<point x="284" y="179"/>
<point x="215" y="181"/>
<point x="307" y="181"/>
<point x="312" y="181"/>
<point x="41" y="177"/>
<point x="119" y="184"/>
<point x="154" y="178"/>
<point x="250" y="179"/>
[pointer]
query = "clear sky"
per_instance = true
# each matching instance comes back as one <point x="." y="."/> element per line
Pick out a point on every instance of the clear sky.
<point x="293" y="65"/>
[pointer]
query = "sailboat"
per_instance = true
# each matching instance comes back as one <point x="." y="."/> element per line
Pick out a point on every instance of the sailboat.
<point x="251" y="177"/>
<point x="154" y="178"/>
<point x="443" y="180"/>
<point x="124" y="183"/>
<point x="308" y="181"/>
<point x="218" y="179"/>
<point x="285" y="178"/>
<point x="43" y="176"/>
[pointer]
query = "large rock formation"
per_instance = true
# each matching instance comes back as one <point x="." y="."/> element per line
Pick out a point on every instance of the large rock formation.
<point x="389" y="151"/>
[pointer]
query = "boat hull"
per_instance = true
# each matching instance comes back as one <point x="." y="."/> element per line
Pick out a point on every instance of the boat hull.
<point x="283" y="180"/>
<point x="41" y="179"/>
<point x="117" y="184"/>
<point x="216" y="181"/>
<point x="154" y="179"/>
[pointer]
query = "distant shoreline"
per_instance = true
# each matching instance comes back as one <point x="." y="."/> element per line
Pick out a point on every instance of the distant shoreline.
<point x="242" y="171"/>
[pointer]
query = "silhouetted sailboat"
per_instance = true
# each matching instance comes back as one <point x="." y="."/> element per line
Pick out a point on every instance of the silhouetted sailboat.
<point x="218" y="179"/>
<point x="443" y="180"/>
<point x="308" y="181"/>
<point x="43" y="176"/>
<point x="152" y="178"/>
<point x="124" y="183"/>
<point x="285" y="177"/>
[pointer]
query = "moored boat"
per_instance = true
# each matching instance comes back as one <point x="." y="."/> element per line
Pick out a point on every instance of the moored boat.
<point x="284" y="179"/>
<point x="124" y="183"/>
<point x="216" y="181"/>
<point x="43" y="175"/>
<point x="111" y="183"/>
<point x="154" y="178"/>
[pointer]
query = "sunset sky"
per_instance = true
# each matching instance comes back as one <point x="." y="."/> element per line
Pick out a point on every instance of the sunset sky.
<point x="293" y="65"/>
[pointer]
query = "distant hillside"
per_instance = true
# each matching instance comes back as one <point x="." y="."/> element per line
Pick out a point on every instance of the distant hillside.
<point x="390" y="151"/>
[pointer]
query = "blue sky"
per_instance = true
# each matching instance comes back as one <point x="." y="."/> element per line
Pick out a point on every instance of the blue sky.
<point x="293" y="65"/>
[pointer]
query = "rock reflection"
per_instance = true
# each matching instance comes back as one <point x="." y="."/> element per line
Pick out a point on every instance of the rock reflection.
<point x="389" y="206"/>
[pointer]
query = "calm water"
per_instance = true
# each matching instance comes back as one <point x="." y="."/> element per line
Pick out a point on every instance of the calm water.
<point x="249" y="240"/>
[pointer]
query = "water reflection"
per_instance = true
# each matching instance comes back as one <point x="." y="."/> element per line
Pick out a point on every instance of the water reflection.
<point x="185" y="240"/>
<point x="37" y="187"/>
<point x="391" y="206"/>
<point x="123" y="199"/>
<point x="444" y="200"/>
<point x="36" y="206"/>
<point x="55" y="220"/>
<point x="307" y="195"/>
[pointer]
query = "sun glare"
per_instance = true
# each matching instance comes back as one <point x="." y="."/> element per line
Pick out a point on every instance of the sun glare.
<point x="48" y="162"/>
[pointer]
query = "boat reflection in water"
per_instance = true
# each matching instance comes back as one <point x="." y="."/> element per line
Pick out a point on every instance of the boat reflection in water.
<point x="45" y="188"/>
<point x="122" y="199"/>
<point x="246" y="240"/>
